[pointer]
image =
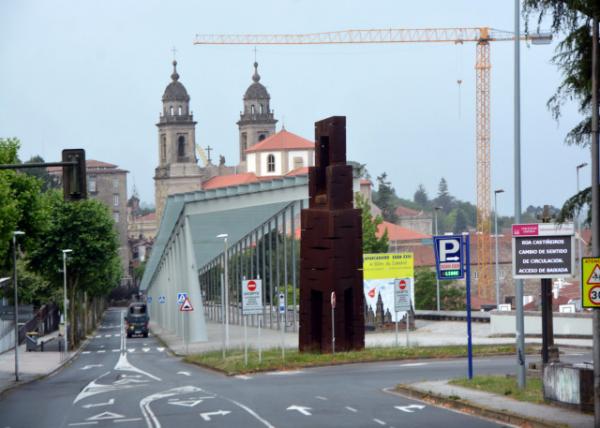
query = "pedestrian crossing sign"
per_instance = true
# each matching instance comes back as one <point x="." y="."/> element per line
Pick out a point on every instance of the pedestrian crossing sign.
<point x="186" y="306"/>
<point x="590" y="282"/>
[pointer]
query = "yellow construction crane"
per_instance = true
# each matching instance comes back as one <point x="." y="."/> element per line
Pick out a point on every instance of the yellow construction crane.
<point x="482" y="36"/>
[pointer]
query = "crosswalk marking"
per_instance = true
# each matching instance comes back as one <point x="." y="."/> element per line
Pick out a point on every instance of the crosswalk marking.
<point x="130" y="350"/>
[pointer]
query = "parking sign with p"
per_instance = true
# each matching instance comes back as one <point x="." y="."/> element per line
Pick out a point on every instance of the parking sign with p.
<point x="449" y="258"/>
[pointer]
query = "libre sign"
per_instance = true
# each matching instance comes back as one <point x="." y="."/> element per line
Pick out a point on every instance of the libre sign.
<point x="252" y="297"/>
<point x="543" y="250"/>
<point x="590" y="282"/>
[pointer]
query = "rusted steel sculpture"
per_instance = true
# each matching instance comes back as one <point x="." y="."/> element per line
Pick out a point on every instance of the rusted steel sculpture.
<point x="331" y="248"/>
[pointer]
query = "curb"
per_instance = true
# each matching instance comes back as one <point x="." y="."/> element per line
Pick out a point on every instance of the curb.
<point x="468" y="407"/>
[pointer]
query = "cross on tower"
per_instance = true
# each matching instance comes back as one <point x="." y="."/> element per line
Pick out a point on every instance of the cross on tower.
<point x="208" y="150"/>
<point x="174" y="50"/>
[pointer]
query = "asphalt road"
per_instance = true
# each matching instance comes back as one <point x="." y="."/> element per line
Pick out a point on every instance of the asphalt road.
<point x="135" y="383"/>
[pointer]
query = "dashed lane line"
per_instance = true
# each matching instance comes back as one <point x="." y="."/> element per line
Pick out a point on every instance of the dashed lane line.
<point x="379" y="421"/>
<point x="352" y="409"/>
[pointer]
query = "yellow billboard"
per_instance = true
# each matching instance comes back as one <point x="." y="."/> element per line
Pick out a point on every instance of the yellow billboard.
<point x="382" y="266"/>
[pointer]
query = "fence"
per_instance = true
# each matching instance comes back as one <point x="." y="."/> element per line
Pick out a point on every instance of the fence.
<point x="270" y="252"/>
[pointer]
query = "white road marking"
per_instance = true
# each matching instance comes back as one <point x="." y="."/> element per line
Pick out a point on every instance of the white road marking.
<point x="145" y="349"/>
<point x="160" y="349"/>
<point x="101" y="351"/>
<point x="86" y="352"/>
<point x="146" y="401"/>
<point x="108" y="403"/>
<point x="105" y="415"/>
<point x="116" y="350"/>
<point x="75" y="424"/>
<point x="251" y="412"/>
<point x="318" y="397"/>
<point x="127" y="420"/>
<point x="243" y="377"/>
<point x="408" y="409"/>
<point x="108" y="335"/>
<point x="99" y="336"/>
<point x="91" y="366"/>
<point x="379" y="421"/>
<point x="206" y="416"/>
<point x="184" y="373"/>
<point x="285" y="373"/>
<point x="131" y="350"/>
<point x="352" y="409"/>
<point x="124" y="365"/>
<point x="412" y="364"/>
<point x="303" y="410"/>
<point x="117" y="335"/>
<point x="186" y="403"/>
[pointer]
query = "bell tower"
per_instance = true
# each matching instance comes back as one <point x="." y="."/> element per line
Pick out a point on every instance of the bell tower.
<point x="257" y="121"/>
<point x="177" y="170"/>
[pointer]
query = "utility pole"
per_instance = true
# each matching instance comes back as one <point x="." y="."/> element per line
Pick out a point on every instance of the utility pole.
<point x="595" y="211"/>
<point x="549" y="352"/>
<point x="520" y="333"/>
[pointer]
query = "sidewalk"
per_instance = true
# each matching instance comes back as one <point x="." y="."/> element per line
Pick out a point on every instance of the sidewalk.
<point x="427" y="333"/>
<point x="32" y="365"/>
<point x="495" y="406"/>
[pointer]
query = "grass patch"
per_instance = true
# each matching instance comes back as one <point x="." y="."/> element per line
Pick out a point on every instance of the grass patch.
<point x="271" y="358"/>
<point x="505" y="385"/>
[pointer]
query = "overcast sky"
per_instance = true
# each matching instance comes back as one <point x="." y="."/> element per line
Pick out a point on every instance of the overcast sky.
<point x="91" y="74"/>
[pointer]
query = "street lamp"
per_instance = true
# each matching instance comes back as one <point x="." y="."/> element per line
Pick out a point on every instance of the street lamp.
<point x="14" y="239"/>
<point x="496" y="237"/>
<point x="577" y="223"/>
<point x="64" y="253"/>
<point x="225" y="293"/>
<point x="437" y="281"/>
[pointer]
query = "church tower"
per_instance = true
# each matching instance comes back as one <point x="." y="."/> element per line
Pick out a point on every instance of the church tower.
<point x="256" y="121"/>
<point x="177" y="170"/>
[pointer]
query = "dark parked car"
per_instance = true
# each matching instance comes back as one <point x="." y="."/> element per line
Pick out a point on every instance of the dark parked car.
<point x="136" y="320"/>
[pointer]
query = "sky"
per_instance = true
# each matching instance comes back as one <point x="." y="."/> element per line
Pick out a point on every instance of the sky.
<point x="91" y="74"/>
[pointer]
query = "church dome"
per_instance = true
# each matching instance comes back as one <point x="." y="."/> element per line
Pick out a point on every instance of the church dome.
<point x="256" y="91"/>
<point x="175" y="91"/>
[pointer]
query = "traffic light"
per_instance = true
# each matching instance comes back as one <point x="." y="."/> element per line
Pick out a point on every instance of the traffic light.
<point x="74" y="176"/>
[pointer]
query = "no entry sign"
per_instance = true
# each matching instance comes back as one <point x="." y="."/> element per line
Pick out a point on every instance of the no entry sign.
<point x="543" y="250"/>
<point x="252" y="297"/>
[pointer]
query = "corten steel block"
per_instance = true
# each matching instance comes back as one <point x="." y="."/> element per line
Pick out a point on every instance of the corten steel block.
<point x="331" y="248"/>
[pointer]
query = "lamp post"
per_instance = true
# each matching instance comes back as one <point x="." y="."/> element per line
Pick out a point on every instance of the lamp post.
<point x="577" y="222"/>
<point x="14" y="239"/>
<point x="224" y="236"/>
<point x="496" y="237"/>
<point x="66" y="302"/>
<point x="437" y="281"/>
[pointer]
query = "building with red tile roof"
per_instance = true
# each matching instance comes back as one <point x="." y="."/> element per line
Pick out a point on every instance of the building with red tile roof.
<point x="279" y="154"/>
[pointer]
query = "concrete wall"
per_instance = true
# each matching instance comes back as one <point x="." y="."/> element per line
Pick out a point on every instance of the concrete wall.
<point x="578" y="324"/>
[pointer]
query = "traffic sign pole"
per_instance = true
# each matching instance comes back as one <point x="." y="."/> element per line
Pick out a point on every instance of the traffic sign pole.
<point x="333" y="322"/>
<point x="396" y="329"/>
<point x="469" y="336"/>
<point x="245" y="340"/>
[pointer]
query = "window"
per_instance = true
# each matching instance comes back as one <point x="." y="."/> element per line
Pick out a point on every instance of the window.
<point x="271" y="163"/>
<point x="252" y="109"/>
<point x="163" y="149"/>
<point x="181" y="146"/>
<point x="92" y="183"/>
<point x="179" y="111"/>
<point x="298" y="162"/>
<point x="261" y="137"/>
<point x="244" y="144"/>
<point x="116" y="199"/>
<point x="116" y="184"/>
<point x="116" y="216"/>
<point x="261" y="109"/>
<point x="171" y="110"/>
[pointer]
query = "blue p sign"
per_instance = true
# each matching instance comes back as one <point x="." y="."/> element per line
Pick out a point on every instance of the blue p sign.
<point x="449" y="258"/>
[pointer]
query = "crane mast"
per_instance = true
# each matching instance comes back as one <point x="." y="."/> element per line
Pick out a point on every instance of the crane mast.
<point x="482" y="36"/>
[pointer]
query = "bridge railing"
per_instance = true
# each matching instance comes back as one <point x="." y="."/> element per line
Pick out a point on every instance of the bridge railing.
<point x="270" y="252"/>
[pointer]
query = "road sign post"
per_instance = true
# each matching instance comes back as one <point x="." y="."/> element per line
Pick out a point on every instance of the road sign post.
<point x="251" y="305"/>
<point x="281" y="304"/>
<point x="333" y="322"/>
<point x="453" y="261"/>
<point x="186" y="306"/>
<point x="402" y="292"/>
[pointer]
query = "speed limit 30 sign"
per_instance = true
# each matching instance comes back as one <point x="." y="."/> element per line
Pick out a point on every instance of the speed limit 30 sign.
<point x="590" y="282"/>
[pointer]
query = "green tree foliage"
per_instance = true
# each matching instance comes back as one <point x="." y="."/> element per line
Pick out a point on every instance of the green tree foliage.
<point x="421" y="198"/>
<point x="444" y="199"/>
<point x="452" y="296"/>
<point x="22" y="207"/>
<point x="386" y="199"/>
<point x="48" y="181"/>
<point x="460" y="224"/>
<point x="371" y="243"/>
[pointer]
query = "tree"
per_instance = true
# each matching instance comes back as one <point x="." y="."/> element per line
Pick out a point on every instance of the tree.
<point x="574" y="59"/>
<point x="460" y="225"/>
<point x="420" y="197"/>
<point x="48" y="181"/>
<point x="386" y="199"/>
<point x="88" y="229"/>
<point x="371" y="243"/>
<point x="443" y="198"/>
<point x="452" y="296"/>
